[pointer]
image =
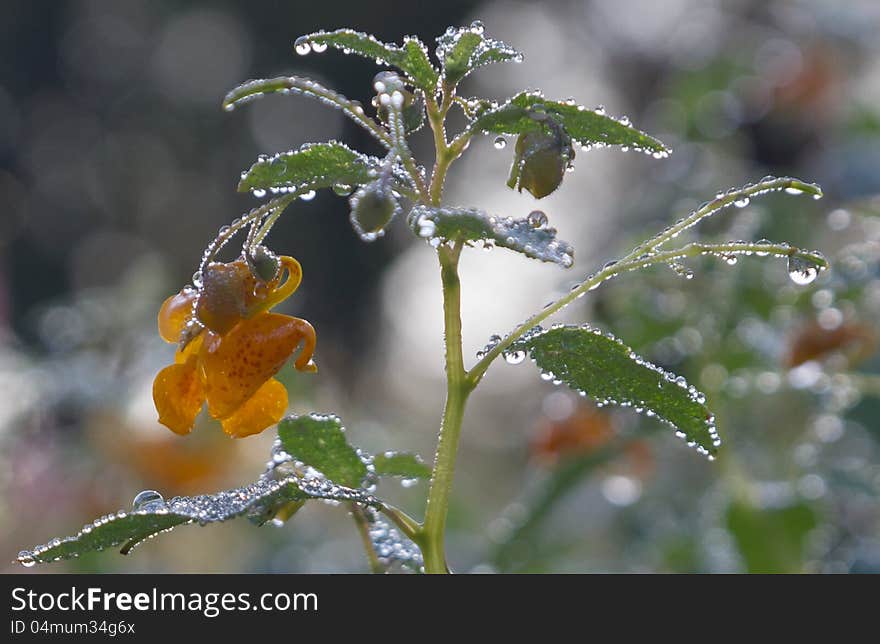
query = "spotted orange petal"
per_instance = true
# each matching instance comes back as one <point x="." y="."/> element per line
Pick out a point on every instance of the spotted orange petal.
<point x="237" y="364"/>
<point x="178" y="395"/>
<point x="175" y="312"/>
<point x="262" y="410"/>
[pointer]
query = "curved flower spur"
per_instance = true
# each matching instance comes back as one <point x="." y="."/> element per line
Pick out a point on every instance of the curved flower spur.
<point x="230" y="346"/>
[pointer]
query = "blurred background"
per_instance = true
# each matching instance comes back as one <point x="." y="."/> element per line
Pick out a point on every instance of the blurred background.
<point x="117" y="167"/>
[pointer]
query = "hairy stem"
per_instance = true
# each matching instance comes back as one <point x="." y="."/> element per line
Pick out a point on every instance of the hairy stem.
<point x="398" y="135"/>
<point x="431" y="538"/>
<point x="409" y="526"/>
<point x="446" y="153"/>
<point x="363" y="526"/>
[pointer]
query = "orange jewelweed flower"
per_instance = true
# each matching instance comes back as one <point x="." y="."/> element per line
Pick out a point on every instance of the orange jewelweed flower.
<point x="229" y="348"/>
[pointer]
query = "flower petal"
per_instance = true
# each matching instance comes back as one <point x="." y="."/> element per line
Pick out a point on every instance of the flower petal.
<point x="178" y="395"/>
<point x="175" y="313"/>
<point x="238" y="363"/>
<point x="278" y="292"/>
<point x="262" y="410"/>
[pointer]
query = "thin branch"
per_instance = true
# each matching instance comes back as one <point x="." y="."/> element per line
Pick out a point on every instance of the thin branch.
<point x="634" y="262"/>
<point x="363" y="526"/>
<point x="409" y="526"/>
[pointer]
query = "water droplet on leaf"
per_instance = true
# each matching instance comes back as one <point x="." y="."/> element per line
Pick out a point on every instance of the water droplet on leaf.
<point x="147" y="500"/>
<point x="302" y="46"/>
<point x="537" y="219"/>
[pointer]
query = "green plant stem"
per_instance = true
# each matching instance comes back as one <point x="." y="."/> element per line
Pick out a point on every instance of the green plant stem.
<point x="409" y="526"/>
<point x="398" y="135"/>
<point x="431" y="538"/>
<point x="445" y="152"/>
<point x="363" y="526"/>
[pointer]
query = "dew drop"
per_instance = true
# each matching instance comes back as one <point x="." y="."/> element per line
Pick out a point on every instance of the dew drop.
<point x="26" y="558"/>
<point x="500" y="142"/>
<point x="791" y="190"/>
<point x="319" y="47"/>
<point x="515" y="357"/>
<point x="308" y="196"/>
<point x="537" y="219"/>
<point x="147" y="500"/>
<point x="302" y="47"/>
<point x="801" y="271"/>
<point x="259" y="193"/>
<point x="427" y="227"/>
<point x="341" y="189"/>
<point x="742" y="203"/>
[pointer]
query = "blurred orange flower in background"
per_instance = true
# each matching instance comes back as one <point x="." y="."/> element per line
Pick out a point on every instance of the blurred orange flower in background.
<point x="853" y="340"/>
<point x="584" y="431"/>
<point x="231" y="346"/>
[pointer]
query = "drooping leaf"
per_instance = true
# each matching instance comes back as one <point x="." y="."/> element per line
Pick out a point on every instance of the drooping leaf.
<point x="529" y="236"/>
<point x="254" y="89"/>
<point x="411" y="58"/>
<point x="402" y="464"/>
<point x="258" y="501"/>
<point x="318" y="441"/>
<point x="526" y="111"/>
<point x="607" y="370"/>
<point x="462" y="50"/>
<point x="313" y="166"/>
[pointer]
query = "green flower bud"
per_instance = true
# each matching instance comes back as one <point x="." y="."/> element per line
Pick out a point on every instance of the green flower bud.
<point x="542" y="157"/>
<point x="372" y="208"/>
<point x="263" y="263"/>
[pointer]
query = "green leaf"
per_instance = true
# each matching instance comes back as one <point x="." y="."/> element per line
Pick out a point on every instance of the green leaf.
<point x="771" y="540"/>
<point x="319" y="441"/>
<point x="606" y="369"/>
<point x="412" y="58"/>
<point x="529" y="236"/>
<point x="464" y="49"/>
<point x="258" y="501"/>
<point x="313" y="166"/>
<point x="525" y="112"/>
<point x="402" y="464"/>
<point x="254" y="89"/>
